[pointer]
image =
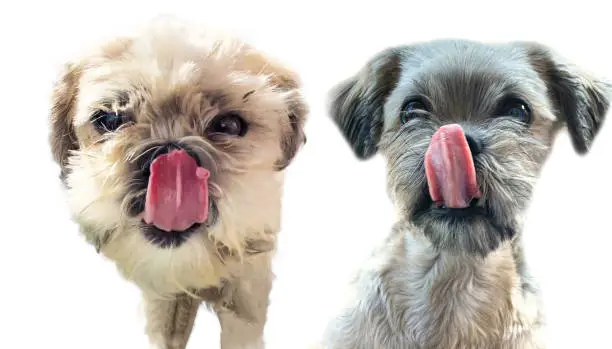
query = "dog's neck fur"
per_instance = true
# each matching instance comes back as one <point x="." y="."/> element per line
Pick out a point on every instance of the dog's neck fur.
<point x="465" y="301"/>
<point x="428" y="299"/>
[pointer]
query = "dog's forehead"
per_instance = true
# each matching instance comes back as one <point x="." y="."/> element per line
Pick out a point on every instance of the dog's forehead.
<point x="464" y="78"/>
<point x="159" y="72"/>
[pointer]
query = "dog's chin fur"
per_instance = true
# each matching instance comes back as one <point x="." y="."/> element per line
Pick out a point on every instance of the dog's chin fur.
<point x="457" y="278"/>
<point x="172" y="81"/>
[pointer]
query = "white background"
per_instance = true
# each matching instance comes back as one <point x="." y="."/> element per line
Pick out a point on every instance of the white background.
<point x="55" y="291"/>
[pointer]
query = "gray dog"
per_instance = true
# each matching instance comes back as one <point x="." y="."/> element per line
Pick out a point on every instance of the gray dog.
<point x="465" y="128"/>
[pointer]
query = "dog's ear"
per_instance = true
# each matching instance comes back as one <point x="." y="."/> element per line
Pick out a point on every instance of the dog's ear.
<point x="296" y="137"/>
<point x="297" y="110"/>
<point x="288" y="82"/>
<point x="62" y="137"/>
<point x="356" y="105"/>
<point x="581" y="100"/>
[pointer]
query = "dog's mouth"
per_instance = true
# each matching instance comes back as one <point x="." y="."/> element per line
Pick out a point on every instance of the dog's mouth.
<point x="450" y="170"/>
<point x="167" y="239"/>
<point x="176" y="201"/>
<point x="426" y="206"/>
<point x="452" y="188"/>
<point x="177" y="193"/>
<point x="175" y="238"/>
<point x="476" y="205"/>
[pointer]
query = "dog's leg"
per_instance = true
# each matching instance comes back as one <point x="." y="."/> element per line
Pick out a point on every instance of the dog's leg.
<point x="243" y="311"/>
<point x="169" y="321"/>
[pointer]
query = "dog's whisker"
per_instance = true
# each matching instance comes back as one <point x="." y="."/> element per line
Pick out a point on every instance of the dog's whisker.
<point x="131" y="157"/>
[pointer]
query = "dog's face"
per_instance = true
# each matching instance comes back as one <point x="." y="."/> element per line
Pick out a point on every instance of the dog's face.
<point x="465" y="128"/>
<point x="172" y="144"/>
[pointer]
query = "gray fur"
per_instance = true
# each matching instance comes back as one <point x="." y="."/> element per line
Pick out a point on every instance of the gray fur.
<point x="440" y="282"/>
<point x="362" y="129"/>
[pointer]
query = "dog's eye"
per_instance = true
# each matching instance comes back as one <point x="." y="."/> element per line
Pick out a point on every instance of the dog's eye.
<point x="412" y="109"/>
<point x="516" y="109"/>
<point x="107" y="121"/>
<point x="230" y="124"/>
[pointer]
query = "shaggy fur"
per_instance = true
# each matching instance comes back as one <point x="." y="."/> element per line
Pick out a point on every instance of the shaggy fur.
<point x="172" y="81"/>
<point x="444" y="280"/>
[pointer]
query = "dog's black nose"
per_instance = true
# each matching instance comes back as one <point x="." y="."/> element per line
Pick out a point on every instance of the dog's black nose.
<point x="474" y="144"/>
<point x="163" y="149"/>
<point x="146" y="158"/>
<point x="168" y="147"/>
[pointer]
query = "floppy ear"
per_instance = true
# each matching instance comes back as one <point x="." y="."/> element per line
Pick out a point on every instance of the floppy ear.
<point x="295" y="138"/>
<point x="356" y="105"/>
<point x="287" y="81"/>
<point x="62" y="137"/>
<point x="581" y="100"/>
<point x="291" y="141"/>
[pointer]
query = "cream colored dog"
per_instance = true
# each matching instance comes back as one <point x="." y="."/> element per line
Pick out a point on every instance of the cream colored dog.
<point x="172" y="145"/>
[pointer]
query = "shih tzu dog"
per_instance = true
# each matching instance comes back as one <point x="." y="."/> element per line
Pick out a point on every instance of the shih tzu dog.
<point x="172" y="145"/>
<point x="465" y="128"/>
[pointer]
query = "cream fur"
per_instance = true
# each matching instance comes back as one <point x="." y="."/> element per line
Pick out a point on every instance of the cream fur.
<point x="178" y="77"/>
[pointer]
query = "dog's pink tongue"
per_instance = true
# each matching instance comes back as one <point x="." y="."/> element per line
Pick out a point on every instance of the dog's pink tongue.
<point x="450" y="168"/>
<point x="177" y="196"/>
